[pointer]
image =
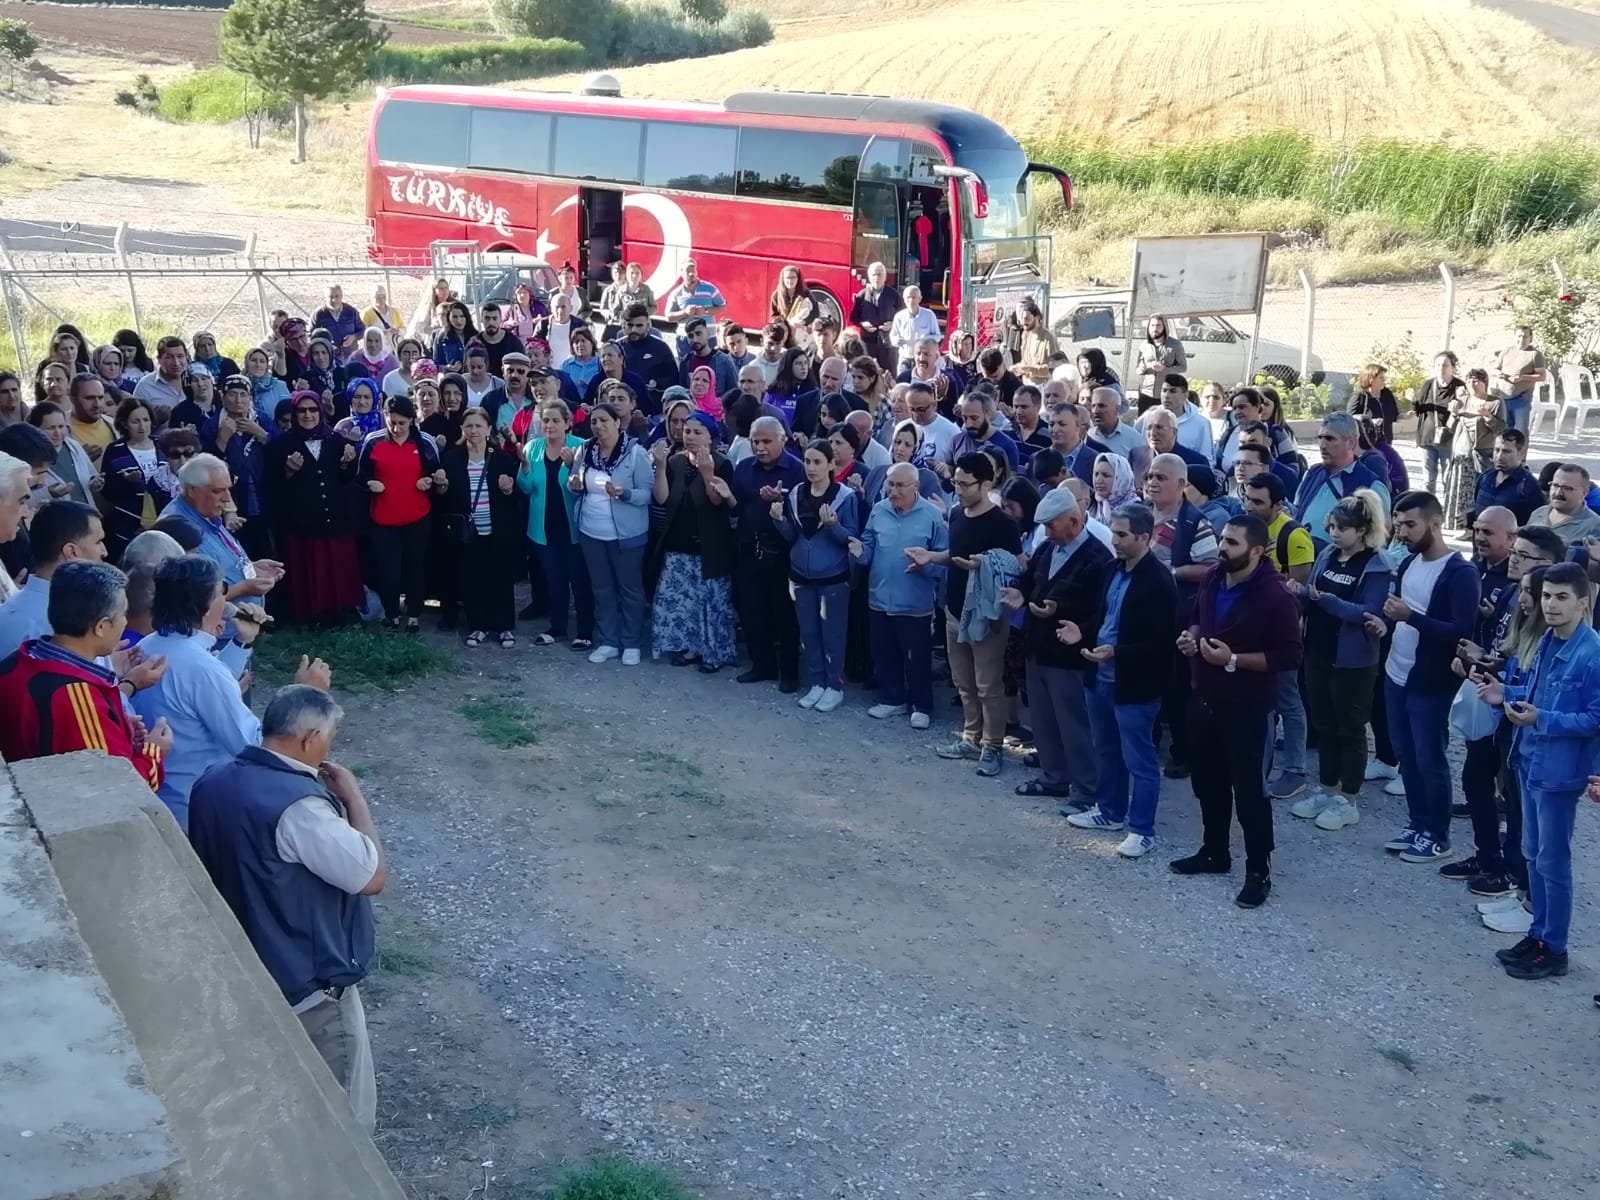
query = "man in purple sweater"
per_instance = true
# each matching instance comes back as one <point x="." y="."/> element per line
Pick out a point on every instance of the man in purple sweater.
<point x="1244" y="635"/>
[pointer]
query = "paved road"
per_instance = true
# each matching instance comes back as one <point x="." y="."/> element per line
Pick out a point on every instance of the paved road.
<point x="69" y="237"/>
<point x="1569" y="26"/>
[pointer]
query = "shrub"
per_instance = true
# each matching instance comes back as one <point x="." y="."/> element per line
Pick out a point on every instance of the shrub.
<point x="646" y="33"/>
<point x="708" y="12"/>
<point x="216" y="96"/>
<point x="18" y="42"/>
<point x="475" y="62"/>
<point x="588" y="24"/>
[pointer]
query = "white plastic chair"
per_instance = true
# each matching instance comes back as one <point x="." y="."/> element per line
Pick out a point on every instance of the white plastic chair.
<point x="1580" y="397"/>
<point x="1544" y="405"/>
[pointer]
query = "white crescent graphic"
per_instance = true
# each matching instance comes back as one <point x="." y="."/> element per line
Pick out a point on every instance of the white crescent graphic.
<point x="675" y="237"/>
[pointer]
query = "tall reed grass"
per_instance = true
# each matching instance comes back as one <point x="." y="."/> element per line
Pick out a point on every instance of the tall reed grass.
<point x="1464" y="196"/>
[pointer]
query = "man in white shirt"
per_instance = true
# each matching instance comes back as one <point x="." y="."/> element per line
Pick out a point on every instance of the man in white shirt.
<point x="911" y="323"/>
<point x="1194" y="427"/>
<point x="874" y="453"/>
<point x="935" y="430"/>
<point x="289" y="841"/>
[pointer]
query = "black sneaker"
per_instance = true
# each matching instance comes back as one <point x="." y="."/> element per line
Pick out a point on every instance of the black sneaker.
<point x="1201" y="863"/>
<point x="1460" y="812"/>
<point x="531" y="612"/>
<point x="1176" y="770"/>
<point x="1521" y="950"/>
<point x="754" y="676"/>
<point x="1465" y="868"/>
<point x="1255" y="891"/>
<point x="1491" y="885"/>
<point x="788" y="686"/>
<point x="1543" y="963"/>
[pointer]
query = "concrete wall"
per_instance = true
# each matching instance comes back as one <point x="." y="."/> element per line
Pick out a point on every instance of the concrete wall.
<point x="252" y="1106"/>
<point x="77" y="1115"/>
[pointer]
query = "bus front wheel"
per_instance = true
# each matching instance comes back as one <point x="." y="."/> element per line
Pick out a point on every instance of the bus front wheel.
<point x="827" y="306"/>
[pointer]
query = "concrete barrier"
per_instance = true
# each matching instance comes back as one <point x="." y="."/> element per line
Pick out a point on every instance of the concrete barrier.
<point x="252" y="1106"/>
<point x="77" y="1115"/>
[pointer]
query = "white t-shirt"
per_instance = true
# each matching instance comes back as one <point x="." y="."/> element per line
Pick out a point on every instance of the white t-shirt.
<point x="594" y="517"/>
<point x="146" y="459"/>
<point x="560" y="338"/>
<point x="1416" y="589"/>
<point x="1097" y="529"/>
<point x="937" y="435"/>
<point x="475" y="397"/>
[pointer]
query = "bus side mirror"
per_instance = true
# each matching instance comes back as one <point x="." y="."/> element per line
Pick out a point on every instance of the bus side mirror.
<point x="1061" y="177"/>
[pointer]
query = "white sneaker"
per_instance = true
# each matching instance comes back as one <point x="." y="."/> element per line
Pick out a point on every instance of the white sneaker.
<point x="1509" y="920"/>
<point x="630" y="658"/>
<point x="1340" y="814"/>
<point x="1395" y="787"/>
<point x="1379" y="770"/>
<point x="1094" y="819"/>
<point x="603" y="654"/>
<point x="831" y="699"/>
<point x="882" y="712"/>
<point x="1498" y="904"/>
<point x="919" y="720"/>
<point x="809" y="700"/>
<point x="1313" y="805"/>
<point x="1135" y="845"/>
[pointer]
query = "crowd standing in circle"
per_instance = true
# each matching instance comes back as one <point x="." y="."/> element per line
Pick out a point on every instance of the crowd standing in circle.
<point x="1118" y="584"/>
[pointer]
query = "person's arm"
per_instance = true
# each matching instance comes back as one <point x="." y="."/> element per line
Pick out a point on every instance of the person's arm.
<point x="660" y="486"/>
<point x="641" y="480"/>
<point x="1463" y="618"/>
<point x="1302" y="555"/>
<point x="85" y="720"/>
<point x="229" y="721"/>
<point x="1370" y="593"/>
<point x="675" y="310"/>
<point x="343" y="851"/>
<point x="868" y="541"/>
<point x="1584" y="722"/>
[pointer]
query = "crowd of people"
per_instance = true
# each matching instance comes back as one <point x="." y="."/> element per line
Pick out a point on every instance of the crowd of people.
<point x="1119" y="584"/>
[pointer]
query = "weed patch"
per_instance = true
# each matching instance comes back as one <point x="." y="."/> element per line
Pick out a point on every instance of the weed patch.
<point x="505" y="725"/>
<point x="1399" y="1057"/>
<point x="615" y="1177"/>
<point x="1522" y="1149"/>
<point x="362" y="657"/>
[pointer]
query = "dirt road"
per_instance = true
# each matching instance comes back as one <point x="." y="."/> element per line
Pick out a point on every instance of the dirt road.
<point x="798" y="957"/>
<point x="161" y="34"/>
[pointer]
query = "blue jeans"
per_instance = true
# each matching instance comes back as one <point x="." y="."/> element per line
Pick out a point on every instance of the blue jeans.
<point x="1435" y="459"/>
<point x="902" y="657"/>
<point x="1291" y="710"/>
<point x="1124" y="740"/>
<point x="1419" y="728"/>
<point x="1547" y="820"/>
<point x="566" y="578"/>
<point x="1519" y="412"/>
<point x="823" y="614"/>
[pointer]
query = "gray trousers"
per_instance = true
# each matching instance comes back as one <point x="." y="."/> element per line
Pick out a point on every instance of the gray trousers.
<point x="1060" y="719"/>
<point x="616" y="573"/>
<point x="338" y="1029"/>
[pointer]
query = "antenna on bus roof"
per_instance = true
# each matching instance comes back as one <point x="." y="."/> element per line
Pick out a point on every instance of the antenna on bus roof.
<point x="599" y="83"/>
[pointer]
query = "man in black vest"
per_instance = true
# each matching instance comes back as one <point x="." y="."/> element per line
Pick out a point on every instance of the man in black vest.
<point x="288" y="840"/>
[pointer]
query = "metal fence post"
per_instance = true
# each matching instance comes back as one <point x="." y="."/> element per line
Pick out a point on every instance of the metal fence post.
<point x="16" y="317"/>
<point x="1449" y="304"/>
<point x="119" y="243"/>
<point x="1310" y="290"/>
<point x="261" y="288"/>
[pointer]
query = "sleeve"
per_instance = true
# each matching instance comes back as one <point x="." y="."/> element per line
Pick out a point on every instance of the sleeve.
<point x="1180" y="356"/>
<point x="1301" y="551"/>
<point x="312" y="832"/>
<point x="230" y="722"/>
<point x="1283" y="637"/>
<point x="1203" y="548"/>
<point x="1368" y="601"/>
<point x="1585" y="723"/>
<point x="869" y="541"/>
<point x="84" y="719"/>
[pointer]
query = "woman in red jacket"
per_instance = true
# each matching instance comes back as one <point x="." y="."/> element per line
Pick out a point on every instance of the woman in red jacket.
<point x="400" y="468"/>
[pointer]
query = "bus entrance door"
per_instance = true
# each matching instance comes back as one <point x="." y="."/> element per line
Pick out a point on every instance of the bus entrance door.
<point x="599" y="237"/>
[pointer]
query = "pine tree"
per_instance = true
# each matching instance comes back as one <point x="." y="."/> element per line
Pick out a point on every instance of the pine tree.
<point x="301" y="50"/>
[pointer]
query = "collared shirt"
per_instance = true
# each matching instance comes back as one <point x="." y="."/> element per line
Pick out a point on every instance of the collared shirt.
<point x="26" y="615"/>
<point x="1126" y="441"/>
<point x="153" y="389"/>
<point x="1059" y="555"/>
<point x="200" y="699"/>
<point x="1116" y="593"/>
<point x="315" y="834"/>
<point x="701" y="295"/>
<point x="906" y="330"/>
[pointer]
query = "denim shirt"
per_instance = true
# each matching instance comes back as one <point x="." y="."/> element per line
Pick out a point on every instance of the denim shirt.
<point x="1561" y="749"/>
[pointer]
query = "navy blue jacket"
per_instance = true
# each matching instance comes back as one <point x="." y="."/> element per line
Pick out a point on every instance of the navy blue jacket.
<point x="1519" y="492"/>
<point x="755" y="527"/>
<point x="651" y="360"/>
<point x="309" y="934"/>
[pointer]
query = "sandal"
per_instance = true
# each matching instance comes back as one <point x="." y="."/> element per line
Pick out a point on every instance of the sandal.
<point x="581" y="644"/>
<point x="544" y="639"/>
<point x="1034" y="788"/>
<point x="508" y="640"/>
<point x="685" y="658"/>
<point x="475" y="638"/>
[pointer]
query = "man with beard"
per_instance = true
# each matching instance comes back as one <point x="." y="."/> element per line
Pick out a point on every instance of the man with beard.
<point x="648" y="357"/>
<point x="762" y="566"/>
<point x="1027" y="429"/>
<point x="1244" y="635"/>
<point x="497" y="342"/>
<point x="1436" y="606"/>
<point x="978" y="431"/>
<point x="1510" y="484"/>
<point x="701" y="353"/>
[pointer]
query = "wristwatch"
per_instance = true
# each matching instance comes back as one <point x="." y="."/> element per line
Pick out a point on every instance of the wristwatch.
<point x="1233" y="664"/>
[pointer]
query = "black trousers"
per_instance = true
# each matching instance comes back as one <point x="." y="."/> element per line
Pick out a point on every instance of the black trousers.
<point x="1229" y="779"/>
<point x="486" y="590"/>
<point x="1339" y="703"/>
<point x="1484" y="777"/>
<point x="1175" y="711"/>
<point x="1382" y="748"/>
<point x="399" y="560"/>
<point x="767" y="612"/>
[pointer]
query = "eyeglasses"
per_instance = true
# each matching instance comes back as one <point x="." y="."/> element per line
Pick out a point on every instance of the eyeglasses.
<point x="1520" y="556"/>
<point x="966" y="483"/>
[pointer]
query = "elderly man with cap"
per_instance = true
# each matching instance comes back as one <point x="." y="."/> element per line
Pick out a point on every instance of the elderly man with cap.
<point x="1065" y="581"/>
<point x="514" y="393"/>
<point x="205" y="487"/>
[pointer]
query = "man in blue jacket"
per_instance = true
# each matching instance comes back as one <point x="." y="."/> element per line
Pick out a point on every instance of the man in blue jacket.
<point x="1554" y="705"/>
<point x="762" y="567"/>
<point x="1338" y="475"/>
<point x="648" y="357"/>
<point x="1509" y="484"/>
<point x="901" y="595"/>
<point x="1436" y="605"/>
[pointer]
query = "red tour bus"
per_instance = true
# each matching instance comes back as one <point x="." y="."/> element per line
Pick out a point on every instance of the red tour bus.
<point x="941" y="196"/>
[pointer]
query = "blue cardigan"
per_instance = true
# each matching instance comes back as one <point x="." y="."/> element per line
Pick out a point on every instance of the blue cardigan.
<point x="531" y="479"/>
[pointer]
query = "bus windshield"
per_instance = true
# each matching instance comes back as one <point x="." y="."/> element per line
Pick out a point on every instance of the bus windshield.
<point x="1005" y="179"/>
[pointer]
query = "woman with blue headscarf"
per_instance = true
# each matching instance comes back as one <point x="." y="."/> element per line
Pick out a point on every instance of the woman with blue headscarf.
<point x="309" y="475"/>
<point x="366" y="416"/>
<point x="267" y="391"/>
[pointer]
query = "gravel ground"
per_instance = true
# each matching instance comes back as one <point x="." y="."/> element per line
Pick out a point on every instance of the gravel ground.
<point x="799" y="957"/>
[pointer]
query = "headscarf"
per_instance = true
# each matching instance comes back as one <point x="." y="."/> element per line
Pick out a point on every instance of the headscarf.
<point x="700" y="417"/>
<point x="214" y="362"/>
<point x="922" y="455"/>
<point x="710" y="403"/>
<point x="322" y="379"/>
<point x="425" y="368"/>
<point x="1122" y="490"/>
<point x="323" y="429"/>
<point x="673" y="397"/>
<point x="367" y="422"/>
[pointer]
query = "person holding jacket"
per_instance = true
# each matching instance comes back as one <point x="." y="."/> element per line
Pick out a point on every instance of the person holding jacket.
<point x="692" y="615"/>
<point x="901" y="594"/>
<point x="1553" y="704"/>
<point x="818" y="520"/>
<point x="400" y="469"/>
<point x="612" y="478"/>
<point x="1244" y="634"/>
<point x="552" y="528"/>
<point x="1064" y="581"/>
<point x="1346" y="587"/>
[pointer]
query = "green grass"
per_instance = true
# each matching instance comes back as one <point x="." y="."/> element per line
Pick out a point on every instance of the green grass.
<point x="615" y="1177"/>
<point x="399" y="956"/>
<point x="504" y="724"/>
<point x="666" y="760"/>
<point x="452" y="24"/>
<point x="1399" y="1057"/>
<point x="475" y="62"/>
<point x="1521" y="1149"/>
<point x="362" y="657"/>
<point x="215" y="96"/>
